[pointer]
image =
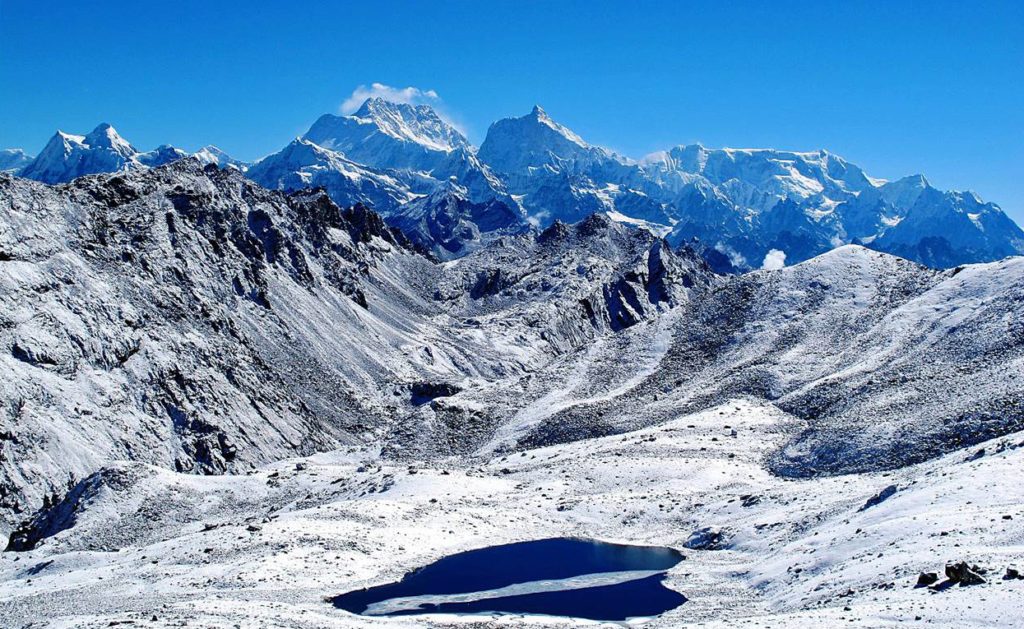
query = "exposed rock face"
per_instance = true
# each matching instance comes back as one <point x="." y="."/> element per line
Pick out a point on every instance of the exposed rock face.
<point x="880" y="497"/>
<point x="572" y="280"/>
<point x="927" y="578"/>
<point x="61" y="513"/>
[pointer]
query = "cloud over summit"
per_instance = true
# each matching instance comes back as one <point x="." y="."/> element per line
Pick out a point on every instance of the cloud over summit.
<point x="409" y="95"/>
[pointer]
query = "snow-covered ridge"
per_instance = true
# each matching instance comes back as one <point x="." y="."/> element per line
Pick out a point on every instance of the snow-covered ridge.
<point x="67" y="156"/>
<point x="303" y="164"/>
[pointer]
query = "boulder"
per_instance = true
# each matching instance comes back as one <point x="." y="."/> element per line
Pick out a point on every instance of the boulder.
<point x="963" y="574"/>
<point x="709" y="538"/>
<point x="927" y="578"/>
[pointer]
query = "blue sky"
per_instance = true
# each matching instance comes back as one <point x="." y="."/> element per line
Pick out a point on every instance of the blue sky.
<point x="899" y="88"/>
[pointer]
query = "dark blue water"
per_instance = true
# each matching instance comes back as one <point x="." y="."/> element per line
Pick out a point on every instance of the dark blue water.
<point x="561" y="577"/>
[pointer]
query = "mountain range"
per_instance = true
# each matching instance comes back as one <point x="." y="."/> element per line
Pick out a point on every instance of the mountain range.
<point x="740" y="208"/>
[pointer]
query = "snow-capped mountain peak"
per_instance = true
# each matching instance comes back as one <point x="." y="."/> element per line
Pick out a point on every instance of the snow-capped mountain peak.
<point x="211" y="154"/>
<point x="537" y="141"/>
<point x="62" y="143"/>
<point x="378" y="122"/>
<point x="539" y="115"/>
<point x="163" y="154"/>
<point x="67" y="156"/>
<point x="420" y="124"/>
<point x="742" y="202"/>
<point x="105" y="136"/>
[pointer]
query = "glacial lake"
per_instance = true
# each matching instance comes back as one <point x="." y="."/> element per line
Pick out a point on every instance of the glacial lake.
<point x="557" y="577"/>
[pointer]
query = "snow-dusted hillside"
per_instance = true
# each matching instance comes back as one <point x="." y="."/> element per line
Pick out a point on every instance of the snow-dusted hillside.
<point x="139" y="545"/>
<point x="186" y="317"/>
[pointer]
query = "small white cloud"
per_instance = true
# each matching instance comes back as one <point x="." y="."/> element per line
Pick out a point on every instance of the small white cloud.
<point x="774" y="260"/>
<point x="409" y="95"/>
<point x="735" y="257"/>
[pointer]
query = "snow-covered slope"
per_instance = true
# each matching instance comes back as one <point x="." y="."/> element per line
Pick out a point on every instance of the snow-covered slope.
<point x="449" y="224"/>
<point x="13" y="160"/>
<point x="138" y="545"/>
<point x="940" y="229"/>
<point x="210" y="154"/>
<point x="303" y="164"/>
<point x="759" y="178"/>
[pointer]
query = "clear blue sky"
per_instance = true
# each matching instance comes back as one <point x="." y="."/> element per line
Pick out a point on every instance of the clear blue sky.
<point x="900" y="88"/>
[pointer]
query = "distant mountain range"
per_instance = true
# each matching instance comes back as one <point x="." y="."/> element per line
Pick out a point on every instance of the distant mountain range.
<point x="742" y="209"/>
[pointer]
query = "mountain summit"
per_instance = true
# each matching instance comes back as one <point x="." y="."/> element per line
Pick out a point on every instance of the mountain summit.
<point x="535" y="140"/>
<point x="384" y="134"/>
